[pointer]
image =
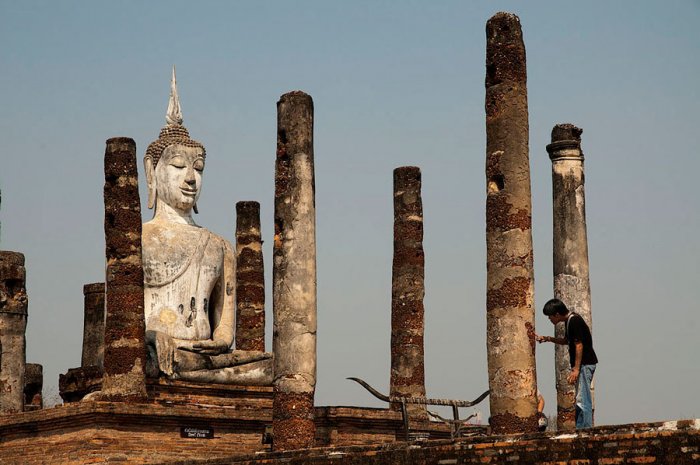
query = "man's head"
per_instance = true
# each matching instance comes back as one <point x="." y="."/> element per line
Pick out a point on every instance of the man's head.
<point x="555" y="310"/>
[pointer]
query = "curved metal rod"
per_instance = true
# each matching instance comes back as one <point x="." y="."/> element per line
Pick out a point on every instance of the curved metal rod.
<point x="371" y="390"/>
<point x="419" y="400"/>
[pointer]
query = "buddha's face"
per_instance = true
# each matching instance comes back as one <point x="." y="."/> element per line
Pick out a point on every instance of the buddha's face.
<point x="179" y="176"/>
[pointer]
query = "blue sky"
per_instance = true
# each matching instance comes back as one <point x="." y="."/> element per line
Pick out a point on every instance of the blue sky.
<point x="394" y="84"/>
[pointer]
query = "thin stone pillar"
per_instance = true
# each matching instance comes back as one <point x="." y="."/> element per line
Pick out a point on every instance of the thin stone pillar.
<point x="33" y="385"/>
<point x="571" y="278"/>
<point x="407" y="291"/>
<point x="124" y="344"/>
<point x="294" y="275"/>
<point x="13" y="323"/>
<point x="93" y="325"/>
<point x="510" y="292"/>
<point x="250" y="279"/>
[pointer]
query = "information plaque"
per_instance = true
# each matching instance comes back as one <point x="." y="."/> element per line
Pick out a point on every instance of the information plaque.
<point x="196" y="432"/>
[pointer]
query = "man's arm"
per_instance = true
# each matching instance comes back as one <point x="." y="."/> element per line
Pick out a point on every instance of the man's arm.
<point x="556" y="340"/>
<point x="573" y="377"/>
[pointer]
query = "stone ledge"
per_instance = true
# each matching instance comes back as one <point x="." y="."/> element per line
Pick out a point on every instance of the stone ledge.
<point x="121" y="414"/>
<point x="676" y="442"/>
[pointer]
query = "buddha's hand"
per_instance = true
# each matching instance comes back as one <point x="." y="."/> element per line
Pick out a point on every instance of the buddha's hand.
<point x="210" y="347"/>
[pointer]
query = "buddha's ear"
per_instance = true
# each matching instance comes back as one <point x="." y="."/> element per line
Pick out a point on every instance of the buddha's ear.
<point x="194" y="207"/>
<point x="150" y="180"/>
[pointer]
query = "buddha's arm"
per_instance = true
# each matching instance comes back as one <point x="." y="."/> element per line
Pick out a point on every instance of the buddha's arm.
<point x="226" y="296"/>
<point x="222" y="306"/>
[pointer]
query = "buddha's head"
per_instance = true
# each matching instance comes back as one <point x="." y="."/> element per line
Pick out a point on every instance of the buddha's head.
<point x="174" y="163"/>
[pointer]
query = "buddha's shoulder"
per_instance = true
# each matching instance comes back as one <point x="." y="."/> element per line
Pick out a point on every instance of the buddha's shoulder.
<point x="219" y="241"/>
<point x="167" y="232"/>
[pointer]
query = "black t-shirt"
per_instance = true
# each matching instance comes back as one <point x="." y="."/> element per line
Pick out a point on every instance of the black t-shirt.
<point x="577" y="331"/>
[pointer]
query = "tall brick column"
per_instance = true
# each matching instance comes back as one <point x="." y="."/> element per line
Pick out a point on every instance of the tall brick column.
<point x="571" y="278"/>
<point x="124" y="345"/>
<point x="510" y="280"/>
<point x="250" y="279"/>
<point x="408" y="290"/>
<point x="13" y="323"/>
<point x="93" y="325"/>
<point x="294" y="275"/>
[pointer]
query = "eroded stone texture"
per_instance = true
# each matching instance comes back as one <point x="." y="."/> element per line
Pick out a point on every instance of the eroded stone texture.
<point x="294" y="275"/>
<point x="571" y="277"/>
<point x="33" y="385"/>
<point x="13" y="323"/>
<point x="510" y="278"/>
<point x="124" y="341"/>
<point x="93" y="325"/>
<point x="189" y="272"/>
<point x="250" y="278"/>
<point x="407" y="291"/>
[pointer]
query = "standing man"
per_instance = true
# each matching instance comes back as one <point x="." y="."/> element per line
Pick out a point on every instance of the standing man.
<point x="581" y="356"/>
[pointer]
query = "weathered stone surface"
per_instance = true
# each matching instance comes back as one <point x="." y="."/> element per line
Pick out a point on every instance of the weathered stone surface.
<point x="510" y="278"/>
<point x="657" y="443"/>
<point x="93" y="325"/>
<point x="570" y="248"/>
<point x="76" y="383"/>
<point x="189" y="272"/>
<point x="294" y="275"/>
<point x="33" y="385"/>
<point x="148" y="433"/>
<point x="407" y="291"/>
<point x="250" y="278"/>
<point x="124" y="341"/>
<point x="13" y="323"/>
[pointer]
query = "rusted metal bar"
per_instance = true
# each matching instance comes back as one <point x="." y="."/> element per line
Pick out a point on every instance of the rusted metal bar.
<point x="455" y="424"/>
<point x="420" y="400"/>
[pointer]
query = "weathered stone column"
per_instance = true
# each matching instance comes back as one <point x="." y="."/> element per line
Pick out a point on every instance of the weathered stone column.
<point x="250" y="279"/>
<point x="13" y="323"/>
<point x="93" y="325"/>
<point x="571" y="281"/>
<point x="33" y="385"/>
<point x="124" y="344"/>
<point x="510" y="279"/>
<point x="294" y="275"/>
<point x="407" y="291"/>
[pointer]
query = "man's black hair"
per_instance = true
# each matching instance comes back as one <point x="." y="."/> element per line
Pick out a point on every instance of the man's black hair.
<point x="555" y="306"/>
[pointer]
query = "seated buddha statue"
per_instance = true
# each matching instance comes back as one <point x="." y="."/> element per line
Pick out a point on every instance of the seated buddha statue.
<point x="189" y="272"/>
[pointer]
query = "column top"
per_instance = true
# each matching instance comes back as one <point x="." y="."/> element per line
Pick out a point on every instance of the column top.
<point x="11" y="258"/>
<point x="94" y="288"/>
<point x="565" y="137"/>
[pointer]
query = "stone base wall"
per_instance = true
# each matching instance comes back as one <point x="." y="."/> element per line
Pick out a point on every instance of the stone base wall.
<point x="675" y="442"/>
<point x="99" y="432"/>
<point x="150" y="433"/>
<point x="146" y="433"/>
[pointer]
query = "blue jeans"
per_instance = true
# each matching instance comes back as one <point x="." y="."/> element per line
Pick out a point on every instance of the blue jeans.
<point x="584" y="402"/>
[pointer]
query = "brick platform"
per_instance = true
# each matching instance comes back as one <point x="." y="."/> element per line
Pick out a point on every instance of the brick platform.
<point x="150" y="433"/>
<point x="144" y="433"/>
<point x="674" y="442"/>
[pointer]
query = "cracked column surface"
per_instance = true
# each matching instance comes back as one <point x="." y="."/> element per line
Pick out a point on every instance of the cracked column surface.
<point x="13" y="323"/>
<point x="294" y="275"/>
<point x="407" y="291"/>
<point x="250" y="279"/>
<point x="124" y="342"/>
<point x="33" y="385"/>
<point x="510" y="314"/>
<point x="93" y="324"/>
<point x="571" y="279"/>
